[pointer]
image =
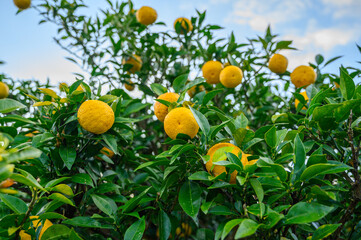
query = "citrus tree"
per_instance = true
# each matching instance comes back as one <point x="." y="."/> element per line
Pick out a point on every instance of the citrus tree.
<point x="178" y="134"/>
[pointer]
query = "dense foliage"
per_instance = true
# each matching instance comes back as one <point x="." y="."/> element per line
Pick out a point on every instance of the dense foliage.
<point x="305" y="182"/>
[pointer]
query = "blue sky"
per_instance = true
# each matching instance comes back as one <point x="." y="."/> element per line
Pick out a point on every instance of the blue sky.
<point x="328" y="27"/>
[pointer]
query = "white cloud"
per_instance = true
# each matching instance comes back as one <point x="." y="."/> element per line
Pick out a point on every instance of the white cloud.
<point x="258" y="14"/>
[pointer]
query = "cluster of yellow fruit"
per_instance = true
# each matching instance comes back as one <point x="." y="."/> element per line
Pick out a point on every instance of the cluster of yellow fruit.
<point x="302" y="76"/>
<point x="214" y="73"/>
<point x="147" y="15"/>
<point x="179" y="120"/>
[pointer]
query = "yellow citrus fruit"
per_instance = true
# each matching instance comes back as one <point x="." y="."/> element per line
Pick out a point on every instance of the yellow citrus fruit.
<point x="218" y="169"/>
<point x="186" y="24"/>
<point x="146" y="15"/>
<point x="129" y="86"/>
<point x="95" y="116"/>
<point x="211" y="71"/>
<point x="180" y="120"/>
<point x="278" y="63"/>
<point x="185" y="231"/>
<point x="195" y="89"/>
<point x="136" y="61"/>
<point x="231" y="76"/>
<point x="106" y="151"/>
<point x="303" y="76"/>
<point x="304" y="94"/>
<point x="4" y="90"/>
<point x="161" y="110"/>
<point x="36" y="223"/>
<point x="22" y="4"/>
<point x="6" y="183"/>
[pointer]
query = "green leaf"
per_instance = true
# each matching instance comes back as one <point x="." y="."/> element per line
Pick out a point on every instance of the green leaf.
<point x="61" y="198"/>
<point x="180" y="82"/>
<point x="257" y="187"/>
<point x="86" y="222"/>
<point x="319" y="59"/>
<point x="64" y="189"/>
<point x="8" y="105"/>
<point x="303" y="212"/>
<point x="202" y="121"/>
<point x="111" y="142"/>
<point x="201" y="175"/>
<point x="210" y="95"/>
<point x="229" y="226"/>
<point x="322" y="169"/>
<point x="28" y="179"/>
<point x="82" y="178"/>
<point x="105" y="204"/>
<point x="165" y="226"/>
<point x="27" y="153"/>
<point x="14" y="203"/>
<point x="324" y="231"/>
<point x="74" y="235"/>
<point x="299" y="157"/>
<point x="68" y="155"/>
<point x="271" y="137"/>
<point x="190" y="198"/>
<point x="284" y="45"/>
<point x="136" y="230"/>
<point x="347" y="84"/>
<point x="158" y="88"/>
<point x="55" y="232"/>
<point x="221" y="210"/>
<point x="246" y="228"/>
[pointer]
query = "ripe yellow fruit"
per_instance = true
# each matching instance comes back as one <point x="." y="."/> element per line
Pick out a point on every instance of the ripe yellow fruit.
<point x="136" y="61"/>
<point x="231" y="76"/>
<point x="211" y="71"/>
<point x="304" y="94"/>
<point x="95" y="116"/>
<point x="7" y="183"/>
<point x="22" y="4"/>
<point x="129" y="86"/>
<point x="161" y="110"/>
<point x="146" y="15"/>
<point x="36" y="223"/>
<point x="185" y="231"/>
<point x="195" y="89"/>
<point x="186" y="24"/>
<point x="303" y="76"/>
<point x="106" y="151"/>
<point x="278" y="63"/>
<point x="4" y="90"/>
<point x="180" y="120"/>
<point x="218" y="169"/>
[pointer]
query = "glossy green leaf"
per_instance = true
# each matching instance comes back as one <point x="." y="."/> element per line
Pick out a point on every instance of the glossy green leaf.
<point x="56" y="232"/>
<point x="165" y="225"/>
<point x="135" y="231"/>
<point x="304" y="212"/>
<point x="68" y="155"/>
<point x="190" y="198"/>
<point x="8" y="105"/>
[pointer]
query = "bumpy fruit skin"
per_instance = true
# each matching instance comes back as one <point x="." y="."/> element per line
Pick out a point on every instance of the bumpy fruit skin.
<point x="95" y="116"/>
<point x="4" y="90"/>
<point x="180" y="120"/>
<point x="278" y="63"/>
<point x="136" y="61"/>
<point x="161" y="110"/>
<point x="303" y="76"/>
<point x="22" y="4"/>
<point x="146" y="15"/>
<point x="231" y="76"/>
<point x="304" y="94"/>
<point x="185" y="231"/>
<point x="211" y="71"/>
<point x="7" y="183"/>
<point x="36" y="223"/>
<point x="186" y="24"/>
<point x="218" y="169"/>
<point x="195" y="89"/>
<point x="129" y="86"/>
